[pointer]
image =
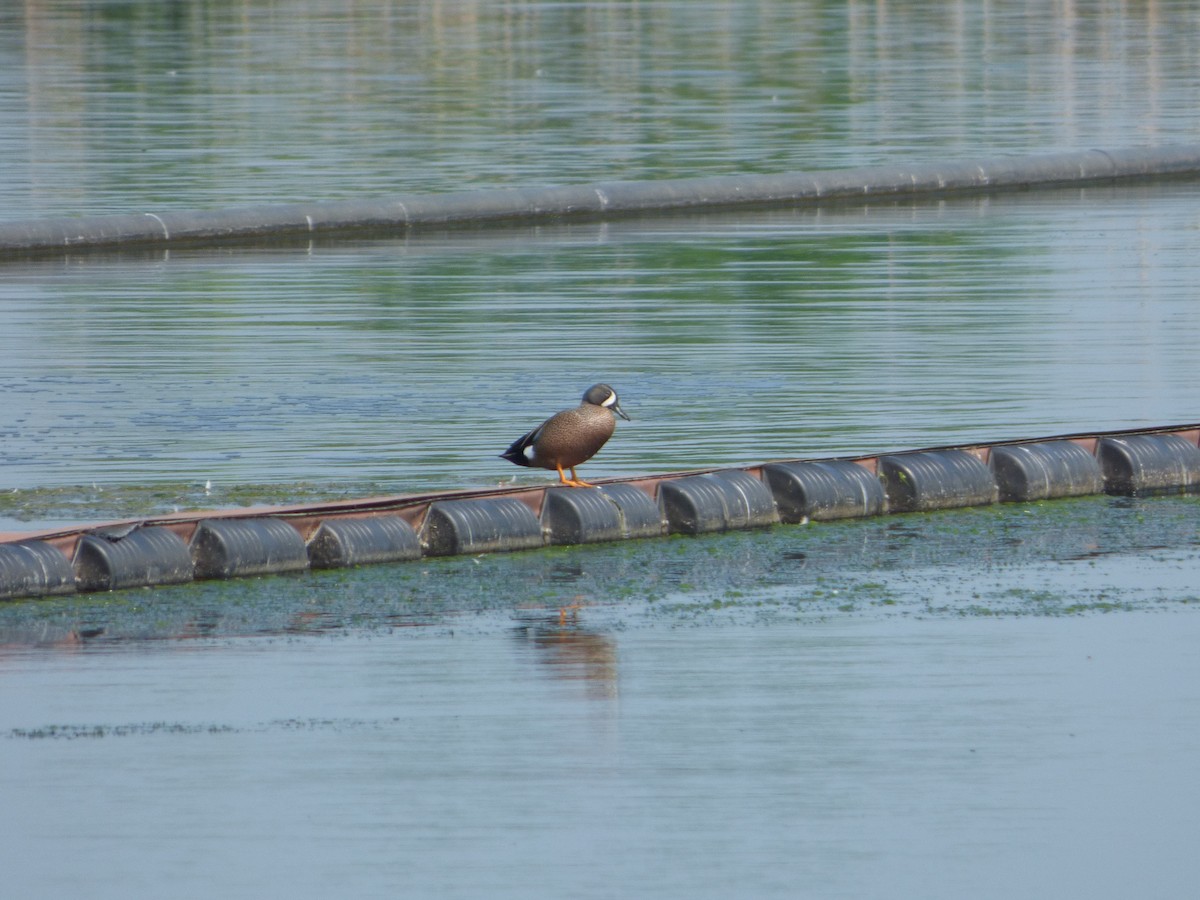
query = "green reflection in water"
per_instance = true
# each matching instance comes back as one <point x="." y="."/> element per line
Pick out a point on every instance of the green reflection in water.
<point x="412" y="363"/>
<point x="116" y="106"/>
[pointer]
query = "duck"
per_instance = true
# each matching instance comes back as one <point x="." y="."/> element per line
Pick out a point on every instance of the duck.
<point x="570" y="437"/>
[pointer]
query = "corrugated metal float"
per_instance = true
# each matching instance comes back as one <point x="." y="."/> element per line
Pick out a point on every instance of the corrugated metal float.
<point x="229" y="544"/>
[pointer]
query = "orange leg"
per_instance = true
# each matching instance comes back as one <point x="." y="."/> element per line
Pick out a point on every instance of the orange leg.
<point x="574" y="480"/>
<point x="571" y="609"/>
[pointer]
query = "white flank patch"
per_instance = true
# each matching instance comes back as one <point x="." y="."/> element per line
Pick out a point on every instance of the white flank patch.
<point x="529" y="452"/>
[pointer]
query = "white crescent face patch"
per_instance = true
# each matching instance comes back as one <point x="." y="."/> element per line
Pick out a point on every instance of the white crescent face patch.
<point x="612" y="399"/>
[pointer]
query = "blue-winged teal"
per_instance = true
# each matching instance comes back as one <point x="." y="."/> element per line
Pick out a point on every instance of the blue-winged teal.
<point x="570" y="437"/>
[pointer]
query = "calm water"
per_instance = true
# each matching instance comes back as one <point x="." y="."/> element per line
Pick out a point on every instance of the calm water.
<point x="839" y="759"/>
<point x="396" y="366"/>
<point x="992" y="702"/>
<point x="890" y="707"/>
<point x="896" y="707"/>
<point x="117" y="106"/>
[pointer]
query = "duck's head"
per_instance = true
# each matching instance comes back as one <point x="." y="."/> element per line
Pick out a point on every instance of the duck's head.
<point x="603" y="395"/>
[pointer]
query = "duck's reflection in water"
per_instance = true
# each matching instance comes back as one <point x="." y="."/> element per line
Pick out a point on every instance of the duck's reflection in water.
<point x="570" y="651"/>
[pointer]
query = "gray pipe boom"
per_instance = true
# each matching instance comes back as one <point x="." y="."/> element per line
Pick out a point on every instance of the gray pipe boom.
<point x="596" y="201"/>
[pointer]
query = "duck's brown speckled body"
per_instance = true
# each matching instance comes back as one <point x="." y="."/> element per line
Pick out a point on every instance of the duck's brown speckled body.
<point x="570" y="437"/>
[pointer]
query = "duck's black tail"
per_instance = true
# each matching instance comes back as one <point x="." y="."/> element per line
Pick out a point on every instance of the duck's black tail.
<point x="517" y="452"/>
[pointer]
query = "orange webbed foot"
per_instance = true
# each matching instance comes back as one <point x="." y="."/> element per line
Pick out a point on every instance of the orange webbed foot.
<point x="574" y="480"/>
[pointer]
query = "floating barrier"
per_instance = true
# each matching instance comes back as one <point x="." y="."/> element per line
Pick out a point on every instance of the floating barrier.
<point x="611" y="512"/>
<point x="639" y="511"/>
<point x="572" y="516"/>
<point x="1148" y="462"/>
<point x="836" y="489"/>
<point x="936" y="479"/>
<point x="232" y="548"/>
<point x="34" y="569"/>
<point x="142" y="557"/>
<point x="485" y="525"/>
<point x="355" y="542"/>
<point x="717" y="501"/>
<point x="215" y="544"/>
<point x="408" y="213"/>
<point x="1045" y="471"/>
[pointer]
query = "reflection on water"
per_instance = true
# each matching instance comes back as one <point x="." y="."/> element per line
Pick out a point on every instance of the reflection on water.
<point x="397" y="366"/>
<point x="123" y="106"/>
<point x="822" y="759"/>
<point x="835" y="706"/>
<point x="571" y="652"/>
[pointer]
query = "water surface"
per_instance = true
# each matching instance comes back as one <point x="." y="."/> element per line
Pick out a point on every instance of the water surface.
<point x="116" y="107"/>
<point x="393" y="366"/>
<point x="991" y="703"/>
<point x="844" y="757"/>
